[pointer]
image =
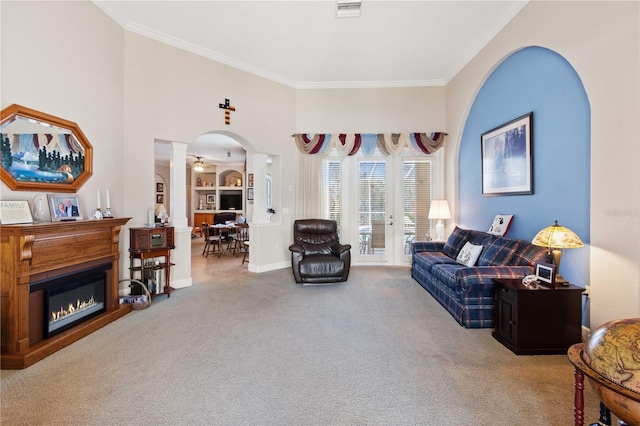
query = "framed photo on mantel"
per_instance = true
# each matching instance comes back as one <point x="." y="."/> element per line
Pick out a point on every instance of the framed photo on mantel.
<point x="64" y="207"/>
<point x="507" y="162"/>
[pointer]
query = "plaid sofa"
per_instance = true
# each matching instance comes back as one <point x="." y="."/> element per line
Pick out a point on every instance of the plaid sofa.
<point x="467" y="292"/>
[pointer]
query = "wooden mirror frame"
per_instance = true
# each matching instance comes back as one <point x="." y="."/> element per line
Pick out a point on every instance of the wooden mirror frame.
<point x="69" y="176"/>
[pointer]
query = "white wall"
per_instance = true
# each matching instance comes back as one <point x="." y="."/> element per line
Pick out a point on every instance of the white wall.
<point x="71" y="68"/>
<point x="173" y="95"/>
<point x="397" y="110"/>
<point x="601" y="40"/>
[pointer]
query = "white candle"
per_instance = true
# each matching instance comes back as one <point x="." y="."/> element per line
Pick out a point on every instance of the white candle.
<point x="108" y="202"/>
<point x="98" y="199"/>
<point x="150" y="217"/>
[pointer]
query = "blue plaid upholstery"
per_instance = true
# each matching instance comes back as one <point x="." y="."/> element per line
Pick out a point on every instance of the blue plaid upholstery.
<point x="456" y="241"/>
<point x="500" y="252"/>
<point x="530" y="255"/>
<point x="481" y="238"/>
<point x="431" y="246"/>
<point x="428" y="259"/>
<point x="468" y="293"/>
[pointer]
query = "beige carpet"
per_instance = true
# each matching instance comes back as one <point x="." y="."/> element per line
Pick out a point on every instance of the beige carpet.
<point x="240" y="348"/>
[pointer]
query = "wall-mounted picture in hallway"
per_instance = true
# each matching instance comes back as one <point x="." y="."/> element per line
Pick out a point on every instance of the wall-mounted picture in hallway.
<point x="507" y="163"/>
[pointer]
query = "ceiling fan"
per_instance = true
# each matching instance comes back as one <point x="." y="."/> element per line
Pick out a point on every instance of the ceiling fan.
<point x="199" y="165"/>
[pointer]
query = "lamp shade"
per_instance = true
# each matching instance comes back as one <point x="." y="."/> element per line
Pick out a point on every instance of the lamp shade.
<point x="160" y="208"/>
<point x="556" y="236"/>
<point x="439" y="210"/>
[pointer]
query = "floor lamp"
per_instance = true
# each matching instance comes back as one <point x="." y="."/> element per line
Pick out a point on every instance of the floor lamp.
<point x="439" y="210"/>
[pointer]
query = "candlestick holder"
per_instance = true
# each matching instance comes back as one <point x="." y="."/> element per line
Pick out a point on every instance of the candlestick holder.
<point x="107" y="214"/>
<point x="96" y="214"/>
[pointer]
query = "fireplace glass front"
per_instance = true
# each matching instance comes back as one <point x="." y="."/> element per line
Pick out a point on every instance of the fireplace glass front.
<point x="73" y="299"/>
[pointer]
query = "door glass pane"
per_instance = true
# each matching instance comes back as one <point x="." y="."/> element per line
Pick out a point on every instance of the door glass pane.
<point x="417" y="200"/>
<point x="332" y="191"/>
<point x="372" y="201"/>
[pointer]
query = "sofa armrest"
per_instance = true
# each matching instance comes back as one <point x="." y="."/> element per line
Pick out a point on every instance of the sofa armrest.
<point x="481" y="277"/>
<point x="419" y="246"/>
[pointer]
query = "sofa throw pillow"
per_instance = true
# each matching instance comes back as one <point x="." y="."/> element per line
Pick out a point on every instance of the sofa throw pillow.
<point x="455" y="242"/>
<point x="500" y="224"/>
<point x="469" y="254"/>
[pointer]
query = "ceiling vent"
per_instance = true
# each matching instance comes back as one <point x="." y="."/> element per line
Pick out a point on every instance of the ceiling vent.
<point x="348" y="8"/>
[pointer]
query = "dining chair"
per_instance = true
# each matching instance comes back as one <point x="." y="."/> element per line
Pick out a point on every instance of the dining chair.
<point x="213" y="240"/>
<point x="204" y="232"/>
<point x="245" y="245"/>
<point x="242" y="240"/>
<point x="231" y="236"/>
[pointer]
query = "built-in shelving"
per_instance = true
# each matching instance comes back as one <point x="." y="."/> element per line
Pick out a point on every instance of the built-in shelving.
<point x="218" y="188"/>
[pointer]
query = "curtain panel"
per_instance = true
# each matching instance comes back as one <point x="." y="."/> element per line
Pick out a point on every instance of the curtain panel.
<point x="366" y="143"/>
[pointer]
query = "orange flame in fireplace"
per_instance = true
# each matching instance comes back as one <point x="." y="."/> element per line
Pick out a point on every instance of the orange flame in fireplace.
<point x="72" y="309"/>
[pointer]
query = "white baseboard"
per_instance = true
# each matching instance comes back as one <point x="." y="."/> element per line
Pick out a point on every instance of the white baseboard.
<point x="270" y="267"/>
<point x="184" y="282"/>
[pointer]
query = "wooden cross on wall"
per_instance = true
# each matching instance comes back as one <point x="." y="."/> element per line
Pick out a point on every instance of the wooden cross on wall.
<point x="227" y="113"/>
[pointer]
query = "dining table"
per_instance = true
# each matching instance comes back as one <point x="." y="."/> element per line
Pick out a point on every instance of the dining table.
<point x="227" y="231"/>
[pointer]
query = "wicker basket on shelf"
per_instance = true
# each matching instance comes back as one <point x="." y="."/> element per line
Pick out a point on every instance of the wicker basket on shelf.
<point x="139" y="305"/>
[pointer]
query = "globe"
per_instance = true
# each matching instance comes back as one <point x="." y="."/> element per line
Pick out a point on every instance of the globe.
<point x="613" y="352"/>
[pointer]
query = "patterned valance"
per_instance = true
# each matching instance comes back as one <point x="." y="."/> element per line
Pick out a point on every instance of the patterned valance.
<point x="387" y="143"/>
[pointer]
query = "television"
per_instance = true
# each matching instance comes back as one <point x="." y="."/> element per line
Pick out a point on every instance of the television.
<point x="231" y="200"/>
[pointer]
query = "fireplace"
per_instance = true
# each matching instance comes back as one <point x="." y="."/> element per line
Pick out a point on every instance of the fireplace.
<point x="71" y="299"/>
<point x="59" y="283"/>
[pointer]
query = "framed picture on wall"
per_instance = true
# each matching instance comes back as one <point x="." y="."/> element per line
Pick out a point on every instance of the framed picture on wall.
<point x="250" y="181"/>
<point x="159" y="198"/>
<point x="249" y="194"/>
<point x="507" y="161"/>
<point x="159" y="187"/>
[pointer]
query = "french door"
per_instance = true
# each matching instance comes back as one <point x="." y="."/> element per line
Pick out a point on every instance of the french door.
<point x="381" y="204"/>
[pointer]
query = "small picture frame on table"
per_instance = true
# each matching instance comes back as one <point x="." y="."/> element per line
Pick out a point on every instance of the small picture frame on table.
<point x="546" y="274"/>
<point x="211" y="198"/>
<point x="64" y="207"/>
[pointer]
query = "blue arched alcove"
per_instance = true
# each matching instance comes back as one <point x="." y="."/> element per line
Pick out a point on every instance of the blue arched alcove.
<point x="541" y="81"/>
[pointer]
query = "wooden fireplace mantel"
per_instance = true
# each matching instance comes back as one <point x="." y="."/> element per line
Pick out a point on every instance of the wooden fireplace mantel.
<point x="33" y="252"/>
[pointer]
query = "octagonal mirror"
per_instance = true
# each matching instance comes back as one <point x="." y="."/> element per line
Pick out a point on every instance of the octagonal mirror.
<point x="41" y="152"/>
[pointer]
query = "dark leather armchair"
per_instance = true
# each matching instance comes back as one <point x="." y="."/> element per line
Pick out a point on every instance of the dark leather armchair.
<point x="316" y="253"/>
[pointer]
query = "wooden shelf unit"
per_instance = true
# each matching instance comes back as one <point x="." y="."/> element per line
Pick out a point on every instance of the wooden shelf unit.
<point x="150" y="243"/>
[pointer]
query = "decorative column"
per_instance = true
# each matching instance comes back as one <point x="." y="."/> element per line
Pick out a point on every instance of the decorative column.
<point x="181" y="255"/>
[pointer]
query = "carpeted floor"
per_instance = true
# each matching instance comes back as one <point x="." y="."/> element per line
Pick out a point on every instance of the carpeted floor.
<point x="240" y="348"/>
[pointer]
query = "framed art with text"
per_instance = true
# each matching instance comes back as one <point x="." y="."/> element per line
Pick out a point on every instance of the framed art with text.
<point x="507" y="161"/>
<point x="12" y="212"/>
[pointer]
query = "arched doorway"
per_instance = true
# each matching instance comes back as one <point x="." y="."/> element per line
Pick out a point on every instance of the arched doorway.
<point x="217" y="165"/>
